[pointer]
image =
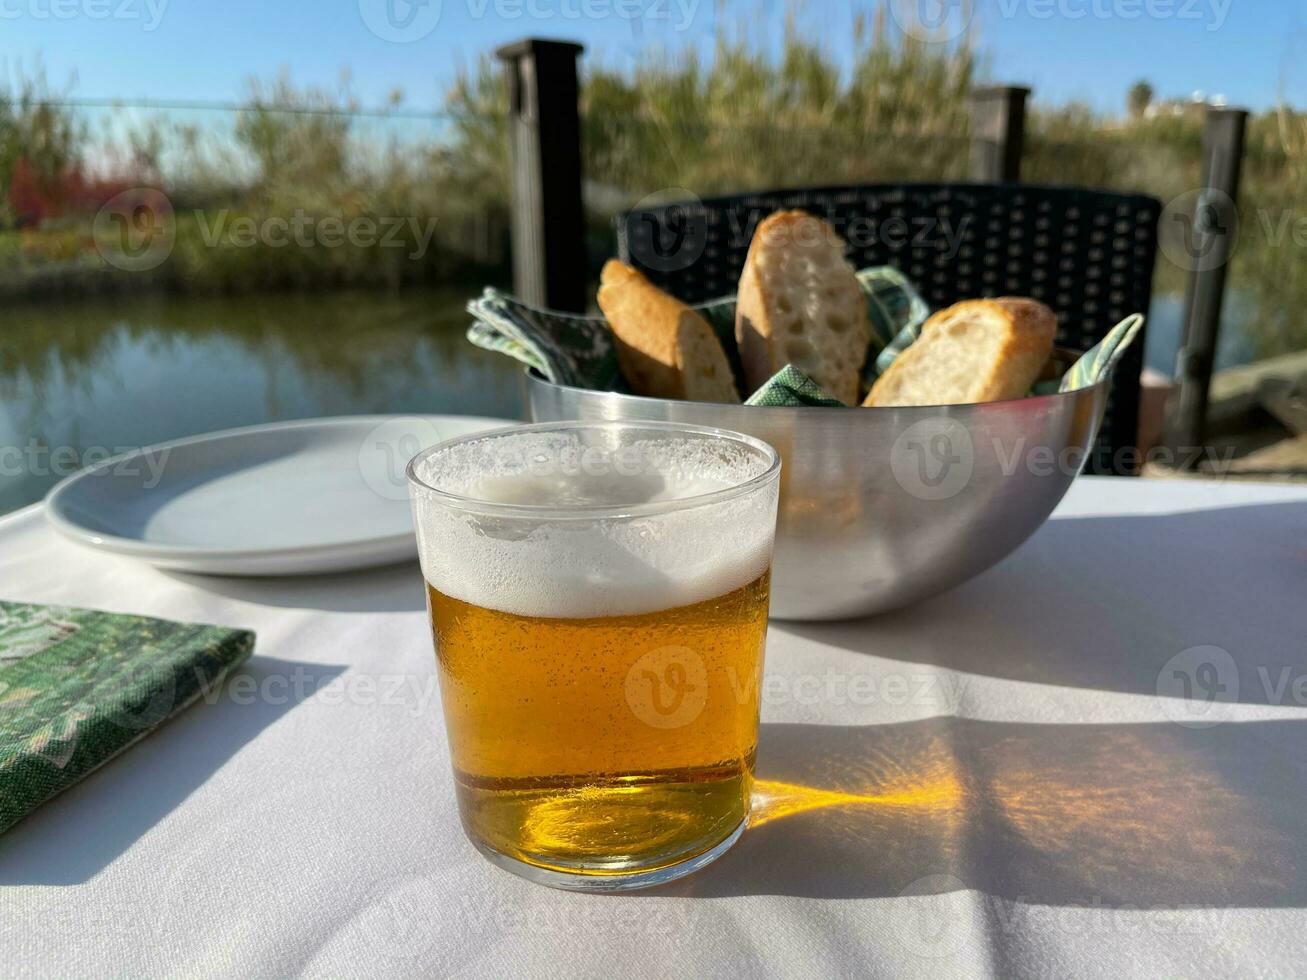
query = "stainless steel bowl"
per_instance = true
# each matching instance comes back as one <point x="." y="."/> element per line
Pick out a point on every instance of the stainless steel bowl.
<point x="881" y="507"/>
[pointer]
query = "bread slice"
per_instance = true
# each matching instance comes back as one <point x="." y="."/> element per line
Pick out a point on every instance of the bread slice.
<point x="664" y="348"/>
<point x="979" y="350"/>
<point x="799" y="303"/>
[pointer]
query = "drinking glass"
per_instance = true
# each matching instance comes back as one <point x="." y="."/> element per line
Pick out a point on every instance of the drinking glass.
<point x="598" y="596"/>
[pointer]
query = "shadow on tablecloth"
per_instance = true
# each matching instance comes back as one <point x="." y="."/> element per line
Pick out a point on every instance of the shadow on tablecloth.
<point x="1158" y="815"/>
<point x="1114" y="816"/>
<point x="75" y="835"/>
<point x="392" y="588"/>
<point x="1106" y="603"/>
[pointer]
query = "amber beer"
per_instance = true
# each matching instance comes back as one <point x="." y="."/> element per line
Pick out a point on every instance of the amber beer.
<point x="607" y="742"/>
<point x="599" y="641"/>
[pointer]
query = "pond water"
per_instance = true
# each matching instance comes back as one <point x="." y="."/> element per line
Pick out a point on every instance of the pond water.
<point x="1234" y="346"/>
<point x="81" y="380"/>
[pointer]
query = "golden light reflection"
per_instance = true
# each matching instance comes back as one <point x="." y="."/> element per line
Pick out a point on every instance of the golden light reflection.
<point x="775" y="800"/>
<point x="1138" y="813"/>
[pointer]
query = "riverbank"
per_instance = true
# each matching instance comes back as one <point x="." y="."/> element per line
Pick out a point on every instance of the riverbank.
<point x="148" y="245"/>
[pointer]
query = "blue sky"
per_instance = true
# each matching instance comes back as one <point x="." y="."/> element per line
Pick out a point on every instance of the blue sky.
<point x="1249" y="50"/>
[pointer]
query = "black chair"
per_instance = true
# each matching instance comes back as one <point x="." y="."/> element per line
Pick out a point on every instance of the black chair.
<point x="1087" y="254"/>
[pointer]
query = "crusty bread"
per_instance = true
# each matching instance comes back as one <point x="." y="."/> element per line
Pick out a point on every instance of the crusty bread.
<point x="979" y="350"/>
<point x="799" y="303"/>
<point x="664" y="348"/>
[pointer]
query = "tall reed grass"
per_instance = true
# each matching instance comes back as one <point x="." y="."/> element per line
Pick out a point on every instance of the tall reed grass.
<point x="742" y="117"/>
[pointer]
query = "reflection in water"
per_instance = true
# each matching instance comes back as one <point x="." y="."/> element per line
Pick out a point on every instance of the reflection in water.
<point x="1050" y="814"/>
<point x="113" y="373"/>
<point x="1236" y="340"/>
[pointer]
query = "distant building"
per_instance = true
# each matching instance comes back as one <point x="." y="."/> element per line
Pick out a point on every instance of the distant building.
<point x="1196" y="104"/>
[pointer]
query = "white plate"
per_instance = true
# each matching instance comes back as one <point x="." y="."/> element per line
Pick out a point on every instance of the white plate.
<point x="321" y="495"/>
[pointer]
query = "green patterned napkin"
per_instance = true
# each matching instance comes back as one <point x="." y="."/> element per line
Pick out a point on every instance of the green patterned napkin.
<point x="79" y="686"/>
<point x="1100" y="360"/>
<point x="789" y="387"/>
<point x="566" y="349"/>
<point x="578" y="350"/>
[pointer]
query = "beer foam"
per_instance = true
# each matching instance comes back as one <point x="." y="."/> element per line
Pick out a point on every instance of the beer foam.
<point x="591" y="528"/>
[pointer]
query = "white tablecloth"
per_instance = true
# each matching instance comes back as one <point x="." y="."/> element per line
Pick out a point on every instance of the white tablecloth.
<point x="1006" y="780"/>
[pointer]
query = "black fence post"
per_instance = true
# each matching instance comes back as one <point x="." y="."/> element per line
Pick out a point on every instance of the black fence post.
<point x="549" y="262"/>
<point x="1206" y="238"/>
<point x="998" y="130"/>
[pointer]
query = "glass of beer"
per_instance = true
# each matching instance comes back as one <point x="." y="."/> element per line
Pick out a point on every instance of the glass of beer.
<point x="598" y="600"/>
